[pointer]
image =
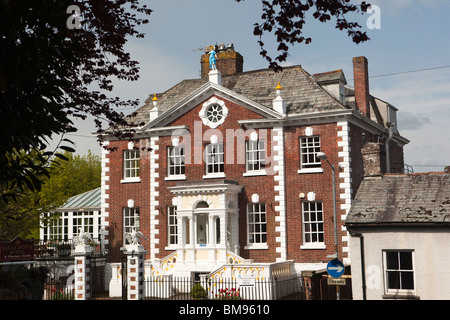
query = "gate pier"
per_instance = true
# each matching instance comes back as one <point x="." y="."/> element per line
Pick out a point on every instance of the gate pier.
<point x="82" y="272"/>
<point x="135" y="254"/>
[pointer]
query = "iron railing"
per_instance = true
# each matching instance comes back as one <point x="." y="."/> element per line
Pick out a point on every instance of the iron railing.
<point x="58" y="290"/>
<point x="61" y="248"/>
<point x="187" y="288"/>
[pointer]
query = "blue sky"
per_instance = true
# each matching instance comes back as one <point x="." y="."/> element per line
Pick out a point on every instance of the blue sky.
<point x="413" y="36"/>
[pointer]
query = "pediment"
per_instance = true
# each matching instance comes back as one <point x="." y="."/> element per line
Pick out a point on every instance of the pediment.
<point x="204" y="94"/>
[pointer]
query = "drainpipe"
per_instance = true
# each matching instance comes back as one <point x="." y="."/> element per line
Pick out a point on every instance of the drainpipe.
<point x="390" y="125"/>
<point x="363" y="267"/>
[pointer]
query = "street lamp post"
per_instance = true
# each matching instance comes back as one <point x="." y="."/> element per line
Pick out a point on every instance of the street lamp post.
<point x="323" y="156"/>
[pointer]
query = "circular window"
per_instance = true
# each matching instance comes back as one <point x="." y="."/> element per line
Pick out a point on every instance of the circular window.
<point x="213" y="112"/>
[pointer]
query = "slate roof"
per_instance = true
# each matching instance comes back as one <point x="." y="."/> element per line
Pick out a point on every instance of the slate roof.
<point x="422" y="198"/>
<point x="301" y="91"/>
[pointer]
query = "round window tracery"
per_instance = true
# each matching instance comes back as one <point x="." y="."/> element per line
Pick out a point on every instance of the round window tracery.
<point x="213" y="112"/>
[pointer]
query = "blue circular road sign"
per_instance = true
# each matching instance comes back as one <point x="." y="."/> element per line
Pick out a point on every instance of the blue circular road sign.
<point x="335" y="268"/>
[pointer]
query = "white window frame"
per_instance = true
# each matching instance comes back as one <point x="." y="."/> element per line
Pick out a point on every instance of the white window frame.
<point x="309" y="146"/>
<point x="255" y="157"/>
<point x="131" y="166"/>
<point x="176" y="161"/>
<point x="257" y="225"/>
<point x="172" y="226"/>
<point x="56" y="228"/>
<point x="84" y="220"/>
<point x="205" y="113"/>
<point x="386" y="270"/>
<point x="214" y="156"/>
<point x="313" y="225"/>
<point x="131" y="219"/>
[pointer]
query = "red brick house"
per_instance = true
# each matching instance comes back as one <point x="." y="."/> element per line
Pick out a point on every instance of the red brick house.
<point x="233" y="175"/>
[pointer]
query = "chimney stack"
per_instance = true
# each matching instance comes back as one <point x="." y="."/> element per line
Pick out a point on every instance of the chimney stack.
<point x="228" y="61"/>
<point x="372" y="159"/>
<point x="361" y="79"/>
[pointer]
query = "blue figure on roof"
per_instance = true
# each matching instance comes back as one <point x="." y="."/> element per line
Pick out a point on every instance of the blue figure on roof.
<point x="212" y="59"/>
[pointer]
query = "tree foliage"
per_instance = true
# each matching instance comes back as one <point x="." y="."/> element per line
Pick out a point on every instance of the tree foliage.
<point x="48" y="71"/>
<point x="66" y="179"/>
<point x="285" y="19"/>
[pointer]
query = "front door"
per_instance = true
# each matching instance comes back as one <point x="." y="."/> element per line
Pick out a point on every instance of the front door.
<point x="202" y="229"/>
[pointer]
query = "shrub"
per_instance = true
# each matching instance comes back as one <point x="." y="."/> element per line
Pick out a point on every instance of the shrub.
<point x="198" y="292"/>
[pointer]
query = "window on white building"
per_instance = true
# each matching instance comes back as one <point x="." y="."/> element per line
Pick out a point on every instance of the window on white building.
<point x="313" y="223"/>
<point x="131" y="164"/>
<point x="255" y="156"/>
<point x="172" y="225"/>
<point x="83" y="221"/>
<point x="56" y="226"/>
<point x="399" y="271"/>
<point x="175" y="161"/>
<point x="256" y="223"/>
<point x="130" y="221"/>
<point x="214" y="159"/>
<point x="309" y="147"/>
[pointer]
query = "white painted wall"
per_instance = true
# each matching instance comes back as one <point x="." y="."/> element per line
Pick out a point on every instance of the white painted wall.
<point x="431" y="261"/>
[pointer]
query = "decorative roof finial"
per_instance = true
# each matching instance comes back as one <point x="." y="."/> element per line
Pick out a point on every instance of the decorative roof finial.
<point x="278" y="89"/>
<point x="278" y="103"/>
<point x="155" y="100"/>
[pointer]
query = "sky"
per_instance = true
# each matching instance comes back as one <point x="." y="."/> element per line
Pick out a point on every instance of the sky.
<point x="409" y="61"/>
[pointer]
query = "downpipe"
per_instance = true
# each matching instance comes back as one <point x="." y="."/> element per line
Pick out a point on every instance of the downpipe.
<point x="388" y="146"/>
<point x="363" y="267"/>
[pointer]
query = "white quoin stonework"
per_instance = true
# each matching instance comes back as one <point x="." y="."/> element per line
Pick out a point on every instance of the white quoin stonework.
<point x="345" y="178"/>
<point x="154" y="196"/>
<point x="104" y="195"/>
<point x="280" y="189"/>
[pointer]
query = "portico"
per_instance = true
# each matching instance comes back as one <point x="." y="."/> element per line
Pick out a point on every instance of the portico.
<point x="207" y="216"/>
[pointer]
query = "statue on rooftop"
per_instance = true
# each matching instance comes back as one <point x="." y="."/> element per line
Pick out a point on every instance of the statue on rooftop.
<point x="212" y="59"/>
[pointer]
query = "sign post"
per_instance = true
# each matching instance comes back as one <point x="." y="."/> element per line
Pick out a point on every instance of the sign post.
<point x="335" y="268"/>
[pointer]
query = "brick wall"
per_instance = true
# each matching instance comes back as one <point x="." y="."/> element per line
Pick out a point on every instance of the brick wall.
<point x="262" y="185"/>
<point x="319" y="183"/>
<point x="121" y="192"/>
<point x="332" y="136"/>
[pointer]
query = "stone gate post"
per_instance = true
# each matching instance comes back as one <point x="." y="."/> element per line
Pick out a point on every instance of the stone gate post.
<point x="136" y="270"/>
<point x="82" y="272"/>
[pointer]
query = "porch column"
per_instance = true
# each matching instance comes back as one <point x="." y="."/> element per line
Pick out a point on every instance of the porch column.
<point x="212" y="230"/>
<point x="181" y="224"/>
<point x="223" y="230"/>
<point x="193" y="228"/>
